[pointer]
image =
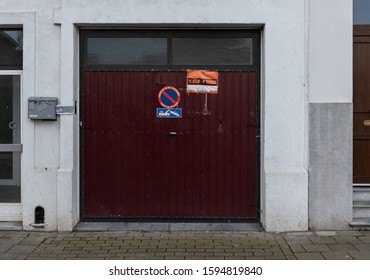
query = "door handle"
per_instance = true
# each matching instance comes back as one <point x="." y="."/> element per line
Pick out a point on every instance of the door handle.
<point x="12" y="125"/>
<point x="172" y="133"/>
<point x="366" y="122"/>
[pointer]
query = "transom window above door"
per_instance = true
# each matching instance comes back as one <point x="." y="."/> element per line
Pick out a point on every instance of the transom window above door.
<point x="11" y="49"/>
<point x="181" y="49"/>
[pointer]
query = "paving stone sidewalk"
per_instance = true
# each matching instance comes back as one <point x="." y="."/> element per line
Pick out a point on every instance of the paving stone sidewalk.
<point x="166" y="245"/>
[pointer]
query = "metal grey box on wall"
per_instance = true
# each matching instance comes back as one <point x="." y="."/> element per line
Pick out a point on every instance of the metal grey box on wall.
<point x="42" y="108"/>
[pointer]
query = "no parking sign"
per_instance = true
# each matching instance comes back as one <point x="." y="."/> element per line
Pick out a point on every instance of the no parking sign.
<point x="169" y="97"/>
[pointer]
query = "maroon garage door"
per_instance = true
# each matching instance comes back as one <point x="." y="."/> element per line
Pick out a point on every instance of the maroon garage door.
<point x="137" y="165"/>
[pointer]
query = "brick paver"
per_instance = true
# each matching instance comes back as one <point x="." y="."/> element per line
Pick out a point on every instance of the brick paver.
<point x="167" y="245"/>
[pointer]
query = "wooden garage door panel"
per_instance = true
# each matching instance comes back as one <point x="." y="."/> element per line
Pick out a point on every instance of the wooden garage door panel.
<point x="132" y="167"/>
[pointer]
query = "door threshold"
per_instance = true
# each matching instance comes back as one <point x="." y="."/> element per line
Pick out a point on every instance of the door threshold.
<point x="125" y="226"/>
<point x="11" y="226"/>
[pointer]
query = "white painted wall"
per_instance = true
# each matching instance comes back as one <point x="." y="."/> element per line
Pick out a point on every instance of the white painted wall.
<point x="330" y="43"/>
<point x="40" y="156"/>
<point x="284" y="77"/>
<point x="51" y="69"/>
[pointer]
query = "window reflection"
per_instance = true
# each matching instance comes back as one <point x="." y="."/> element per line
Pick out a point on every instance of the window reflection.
<point x="126" y="51"/>
<point x="212" y="51"/>
<point x="11" y="47"/>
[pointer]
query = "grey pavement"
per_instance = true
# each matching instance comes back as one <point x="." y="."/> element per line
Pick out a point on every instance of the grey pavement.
<point x="193" y="245"/>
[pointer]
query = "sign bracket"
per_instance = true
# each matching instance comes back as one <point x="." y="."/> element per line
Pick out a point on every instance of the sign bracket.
<point x="205" y="110"/>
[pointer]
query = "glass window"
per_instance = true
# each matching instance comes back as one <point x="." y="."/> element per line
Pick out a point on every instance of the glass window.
<point x="11" y="48"/>
<point x="126" y="51"/>
<point x="9" y="109"/>
<point x="361" y="12"/>
<point x="212" y="51"/>
<point x="10" y="190"/>
<point x="10" y="177"/>
<point x="169" y="49"/>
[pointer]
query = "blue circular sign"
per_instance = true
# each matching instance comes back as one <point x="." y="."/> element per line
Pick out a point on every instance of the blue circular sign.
<point x="169" y="97"/>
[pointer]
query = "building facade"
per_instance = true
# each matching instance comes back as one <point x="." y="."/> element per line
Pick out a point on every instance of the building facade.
<point x="85" y="138"/>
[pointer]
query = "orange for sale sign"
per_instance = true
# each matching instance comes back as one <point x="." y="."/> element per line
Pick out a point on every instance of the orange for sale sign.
<point x="200" y="81"/>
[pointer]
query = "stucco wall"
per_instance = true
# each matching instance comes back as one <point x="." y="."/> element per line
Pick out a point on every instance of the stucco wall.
<point x="41" y="77"/>
<point x="330" y="51"/>
<point x="330" y="114"/>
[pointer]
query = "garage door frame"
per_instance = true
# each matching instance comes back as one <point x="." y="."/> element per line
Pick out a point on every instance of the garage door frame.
<point x="256" y="67"/>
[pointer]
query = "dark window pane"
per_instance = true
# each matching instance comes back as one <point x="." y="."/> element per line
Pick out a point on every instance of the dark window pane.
<point x="10" y="109"/>
<point x="11" y="47"/>
<point x="10" y="177"/>
<point x="212" y="51"/>
<point x="127" y="51"/>
<point x="6" y="165"/>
